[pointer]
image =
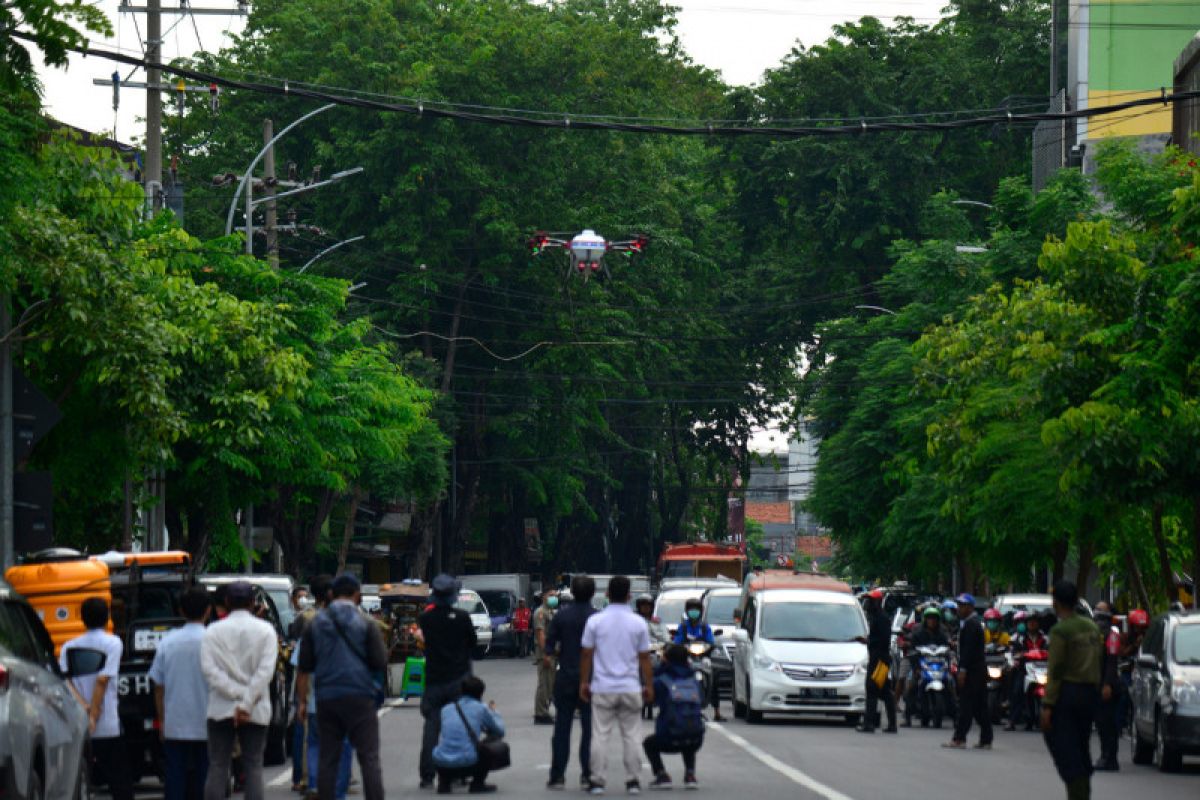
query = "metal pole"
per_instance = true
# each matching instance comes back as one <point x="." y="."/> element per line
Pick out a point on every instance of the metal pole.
<point x="257" y="158"/>
<point x="153" y="167"/>
<point x="329" y="249"/>
<point x="268" y="175"/>
<point x="248" y="566"/>
<point x="249" y="218"/>
<point x="6" y="439"/>
<point x="1053" y="48"/>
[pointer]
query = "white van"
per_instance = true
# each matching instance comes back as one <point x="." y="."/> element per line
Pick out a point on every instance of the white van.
<point x="470" y="602"/>
<point x="800" y="651"/>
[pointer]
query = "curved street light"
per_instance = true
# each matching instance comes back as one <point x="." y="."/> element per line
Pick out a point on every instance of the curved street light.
<point x="877" y="308"/>
<point x="329" y="249"/>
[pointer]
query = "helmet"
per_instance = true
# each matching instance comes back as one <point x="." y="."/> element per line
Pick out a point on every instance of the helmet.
<point x="991" y="613"/>
<point x="931" y="611"/>
<point x="693" y="602"/>
<point x="949" y="605"/>
<point x="1020" y="616"/>
<point x="1139" y="618"/>
<point x="875" y="594"/>
<point x="643" y="598"/>
<point x="965" y="599"/>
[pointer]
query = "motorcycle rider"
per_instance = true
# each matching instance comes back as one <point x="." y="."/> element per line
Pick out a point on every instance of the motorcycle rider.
<point x="879" y="645"/>
<point x="1131" y="641"/>
<point x="929" y="634"/>
<point x="1110" y="689"/>
<point x="692" y="629"/>
<point x="950" y="622"/>
<point x="1029" y="638"/>
<point x="992" y="632"/>
<point x="644" y="605"/>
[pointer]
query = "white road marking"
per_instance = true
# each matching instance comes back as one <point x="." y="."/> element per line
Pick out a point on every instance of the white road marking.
<point x="786" y="770"/>
<point x="285" y="777"/>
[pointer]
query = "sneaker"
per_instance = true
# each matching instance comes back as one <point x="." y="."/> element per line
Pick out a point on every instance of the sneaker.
<point x="585" y="783"/>
<point x="556" y="784"/>
<point x="661" y="782"/>
<point x="633" y="787"/>
<point x="690" y="783"/>
<point x="595" y="788"/>
<point x="482" y="788"/>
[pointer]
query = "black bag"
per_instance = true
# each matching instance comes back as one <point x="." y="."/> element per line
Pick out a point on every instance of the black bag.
<point x="493" y="753"/>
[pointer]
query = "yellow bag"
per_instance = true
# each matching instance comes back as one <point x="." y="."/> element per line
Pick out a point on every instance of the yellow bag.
<point x="879" y="675"/>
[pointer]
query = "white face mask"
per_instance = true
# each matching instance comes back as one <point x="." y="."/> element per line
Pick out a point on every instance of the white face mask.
<point x="305" y="603"/>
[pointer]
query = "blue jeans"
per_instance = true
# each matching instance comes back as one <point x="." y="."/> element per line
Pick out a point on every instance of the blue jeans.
<point x="186" y="768"/>
<point x="298" y="749"/>
<point x="314" y="758"/>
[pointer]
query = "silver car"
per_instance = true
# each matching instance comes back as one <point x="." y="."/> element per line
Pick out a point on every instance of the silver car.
<point x="43" y="726"/>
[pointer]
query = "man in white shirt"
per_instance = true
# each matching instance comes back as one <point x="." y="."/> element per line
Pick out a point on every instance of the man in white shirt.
<point x="99" y="692"/>
<point x="238" y="658"/>
<point x="181" y="700"/>
<point x="616" y="677"/>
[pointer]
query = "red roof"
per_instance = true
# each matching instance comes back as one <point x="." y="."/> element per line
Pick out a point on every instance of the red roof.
<point x="776" y="513"/>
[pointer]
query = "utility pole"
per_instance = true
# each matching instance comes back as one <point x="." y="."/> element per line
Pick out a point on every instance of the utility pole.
<point x="269" y="181"/>
<point x="1053" y="49"/>
<point x="7" y="529"/>
<point x="153" y="166"/>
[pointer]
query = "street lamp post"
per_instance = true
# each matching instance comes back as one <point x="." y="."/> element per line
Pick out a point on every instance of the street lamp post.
<point x="880" y="309"/>
<point x="329" y="249"/>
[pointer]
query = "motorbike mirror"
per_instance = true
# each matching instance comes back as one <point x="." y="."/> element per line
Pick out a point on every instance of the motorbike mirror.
<point x="1147" y="661"/>
<point x="718" y="631"/>
<point x="83" y="661"/>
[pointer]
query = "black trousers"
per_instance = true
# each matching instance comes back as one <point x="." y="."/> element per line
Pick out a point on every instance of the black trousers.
<point x="1071" y="731"/>
<point x="436" y="695"/>
<point x="111" y="755"/>
<point x="566" y="702"/>
<point x="446" y="776"/>
<point x="352" y="718"/>
<point x="654" y="751"/>
<point x="972" y="705"/>
<point x="874" y="694"/>
<point x="1106" y="725"/>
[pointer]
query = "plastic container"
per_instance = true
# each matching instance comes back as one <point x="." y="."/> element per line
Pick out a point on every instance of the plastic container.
<point x="57" y="589"/>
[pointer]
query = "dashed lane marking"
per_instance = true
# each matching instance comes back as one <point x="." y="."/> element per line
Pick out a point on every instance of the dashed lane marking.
<point x="285" y="777"/>
<point x="786" y="770"/>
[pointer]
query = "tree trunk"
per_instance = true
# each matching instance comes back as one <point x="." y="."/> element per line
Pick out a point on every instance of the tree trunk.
<point x="1087" y="553"/>
<point x="425" y="522"/>
<point x="348" y="528"/>
<point x="1164" y="559"/>
<point x="1135" y="575"/>
<point x="1196" y="550"/>
<point x="1059" y="554"/>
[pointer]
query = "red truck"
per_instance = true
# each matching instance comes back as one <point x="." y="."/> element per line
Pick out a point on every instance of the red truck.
<point x="702" y="560"/>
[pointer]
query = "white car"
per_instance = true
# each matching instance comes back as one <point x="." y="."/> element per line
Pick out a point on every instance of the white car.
<point x="470" y="602"/>
<point x="800" y="651"/>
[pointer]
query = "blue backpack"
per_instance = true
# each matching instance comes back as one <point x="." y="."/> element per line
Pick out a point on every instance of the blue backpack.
<point x="681" y="722"/>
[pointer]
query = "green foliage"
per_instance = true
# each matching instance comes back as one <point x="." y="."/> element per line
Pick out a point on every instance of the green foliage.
<point x="55" y="26"/>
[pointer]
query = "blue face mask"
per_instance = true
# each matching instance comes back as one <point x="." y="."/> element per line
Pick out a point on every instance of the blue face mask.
<point x="551" y="602"/>
<point x="948" y="615"/>
<point x="693" y="614"/>
<point x="1020" y="627"/>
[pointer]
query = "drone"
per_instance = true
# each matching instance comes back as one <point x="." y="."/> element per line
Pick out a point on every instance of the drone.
<point x="586" y="249"/>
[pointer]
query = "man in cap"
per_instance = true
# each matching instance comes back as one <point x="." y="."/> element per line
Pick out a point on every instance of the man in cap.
<point x="972" y="678"/>
<point x="1072" y="692"/>
<point x="449" y="638"/>
<point x="238" y="658"/>
<point x="879" y="651"/>
<point x="342" y="650"/>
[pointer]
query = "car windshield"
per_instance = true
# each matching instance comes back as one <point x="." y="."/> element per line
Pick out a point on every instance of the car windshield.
<point x="498" y="601"/>
<point x="811" y="622"/>
<point x="1029" y="607"/>
<point x="721" y="608"/>
<point x="470" y="604"/>
<point x="283" y="604"/>
<point x="670" y="608"/>
<point x="1187" y="645"/>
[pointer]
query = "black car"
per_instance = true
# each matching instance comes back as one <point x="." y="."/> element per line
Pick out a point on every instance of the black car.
<point x="1166" y="692"/>
<point x="720" y="606"/>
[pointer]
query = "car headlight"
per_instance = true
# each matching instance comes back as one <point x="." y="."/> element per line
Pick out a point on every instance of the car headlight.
<point x="1185" y="694"/>
<point x="861" y="669"/>
<point x="766" y="664"/>
<point x="1041" y="678"/>
<point x="504" y="627"/>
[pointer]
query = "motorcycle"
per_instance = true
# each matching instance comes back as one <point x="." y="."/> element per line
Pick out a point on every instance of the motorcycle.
<point x="1035" y="680"/>
<point x="700" y="660"/>
<point x="933" y="670"/>
<point x="999" y="665"/>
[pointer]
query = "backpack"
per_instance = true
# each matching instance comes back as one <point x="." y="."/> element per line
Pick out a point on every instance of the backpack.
<point x="681" y="722"/>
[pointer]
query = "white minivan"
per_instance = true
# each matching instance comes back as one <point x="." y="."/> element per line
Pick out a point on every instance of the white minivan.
<point x="800" y="651"/>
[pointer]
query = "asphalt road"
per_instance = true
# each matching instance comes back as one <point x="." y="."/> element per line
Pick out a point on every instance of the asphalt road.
<point x="801" y="759"/>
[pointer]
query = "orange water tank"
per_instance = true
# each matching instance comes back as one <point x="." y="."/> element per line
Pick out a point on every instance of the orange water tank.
<point x="57" y="589"/>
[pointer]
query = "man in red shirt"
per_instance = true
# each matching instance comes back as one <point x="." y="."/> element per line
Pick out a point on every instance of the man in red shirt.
<point x="522" y="619"/>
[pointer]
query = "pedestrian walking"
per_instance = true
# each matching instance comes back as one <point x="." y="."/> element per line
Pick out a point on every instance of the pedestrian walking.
<point x="457" y="753"/>
<point x="522" y="627"/>
<point x="340" y="652"/>
<point x="972" y="678"/>
<point x="449" y="638"/>
<point x="616" y="678"/>
<point x="99" y="693"/>
<point x="1072" y="681"/>
<point x="564" y="640"/>
<point x="680" y="726"/>
<point x="181" y="700"/>
<point x="879" y="652"/>
<point x="238" y="657"/>
<point x="545" y="663"/>
<point x="1111" y="688"/>
<point x="301" y="601"/>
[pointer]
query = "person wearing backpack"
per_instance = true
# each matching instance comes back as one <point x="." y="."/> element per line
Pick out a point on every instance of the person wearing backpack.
<point x="680" y="725"/>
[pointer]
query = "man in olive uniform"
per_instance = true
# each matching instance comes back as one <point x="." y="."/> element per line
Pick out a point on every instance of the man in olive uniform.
<point x="545" y="666"/>
<point x="1072" y="692"/>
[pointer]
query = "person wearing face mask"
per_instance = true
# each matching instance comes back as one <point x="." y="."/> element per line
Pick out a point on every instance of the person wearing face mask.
<point x="993" y="634"/>
<point x="545" y="662"/>
<point x="1029" y="637"/>
<point x="692" y="629"/>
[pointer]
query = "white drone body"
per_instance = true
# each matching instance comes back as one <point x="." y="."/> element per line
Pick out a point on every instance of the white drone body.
<point x="586" y="249"/>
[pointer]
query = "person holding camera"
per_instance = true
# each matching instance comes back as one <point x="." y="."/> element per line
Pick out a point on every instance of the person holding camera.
<point x="465" y="722"/>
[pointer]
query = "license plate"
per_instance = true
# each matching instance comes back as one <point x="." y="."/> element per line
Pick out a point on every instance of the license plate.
<point x="144" y="640"/>
<point x="818" y="694"/>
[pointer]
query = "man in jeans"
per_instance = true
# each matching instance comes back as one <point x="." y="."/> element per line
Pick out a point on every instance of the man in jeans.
<point x="99" y="692"/>
<point x="616" y="677"/>
<point x="341" y="649"/>
<point x="565" y="639"/>
<point x="181" y="700"/>
<point x="449" y="638"/>
<point x="238" y="657"/>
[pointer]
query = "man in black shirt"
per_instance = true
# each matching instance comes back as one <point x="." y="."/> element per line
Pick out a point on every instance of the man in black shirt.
<point x="449" y="638"/>
<point x="879" y="651"/>
<point x="565" y="637"/>
<point x="972" y="678"/>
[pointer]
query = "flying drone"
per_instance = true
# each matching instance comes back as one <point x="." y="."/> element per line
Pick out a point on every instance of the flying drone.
<point x="586" y="249"/>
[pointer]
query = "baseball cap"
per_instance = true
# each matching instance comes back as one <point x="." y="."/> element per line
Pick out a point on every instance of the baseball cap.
<point x="239" y="591"/>
<point x="965" y="599"/>
<point x="445" y="585"/>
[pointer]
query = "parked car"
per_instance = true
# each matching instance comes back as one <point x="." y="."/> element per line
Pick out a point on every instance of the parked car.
<point x="800" y="651"/>
<point x="43" y="728"/>
<point x="720" y="612"/>
<point x="1166" y="692"/>
<point x="279" y="587"/>
<point x="470" y="602"/>
<point x="1040" y="604"/>
<point x="500" y="593"/>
